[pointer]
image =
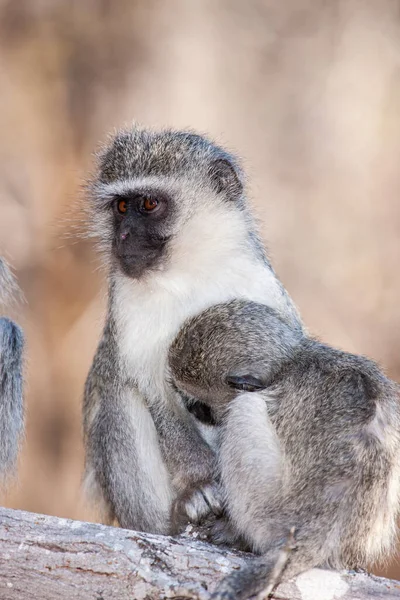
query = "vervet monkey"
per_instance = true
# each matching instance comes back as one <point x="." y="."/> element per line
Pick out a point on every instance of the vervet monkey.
<point x="309" y="440"/>
<point x="170" y="213"/>
<point x="11" y="396"/>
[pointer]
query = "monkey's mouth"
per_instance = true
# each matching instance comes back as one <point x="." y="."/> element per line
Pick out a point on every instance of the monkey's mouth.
<point x="135" y="265"/>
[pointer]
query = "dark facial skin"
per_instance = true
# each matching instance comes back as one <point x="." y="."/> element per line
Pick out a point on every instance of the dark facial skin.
<point x="141" y="230"/>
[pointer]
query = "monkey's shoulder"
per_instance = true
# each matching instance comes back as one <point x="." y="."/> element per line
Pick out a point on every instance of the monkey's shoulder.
<point x="340" y="384"/>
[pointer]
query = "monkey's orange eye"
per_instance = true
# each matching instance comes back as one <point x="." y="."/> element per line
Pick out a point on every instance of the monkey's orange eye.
<point x="149" y="204"/>
<point x="122" y="207"/>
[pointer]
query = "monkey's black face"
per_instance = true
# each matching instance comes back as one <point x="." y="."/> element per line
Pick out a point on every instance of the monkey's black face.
<point x="141" y="230"/>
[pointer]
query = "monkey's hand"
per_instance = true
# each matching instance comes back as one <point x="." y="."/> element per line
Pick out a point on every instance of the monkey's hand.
<point x="195" y="504"/>
<point x="221" y="532"/>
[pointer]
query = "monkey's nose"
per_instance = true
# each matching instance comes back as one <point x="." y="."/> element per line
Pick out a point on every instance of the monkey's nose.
<point x="124" y="235"/>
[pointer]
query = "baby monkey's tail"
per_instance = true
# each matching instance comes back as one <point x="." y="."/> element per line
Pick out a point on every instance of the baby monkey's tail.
<point x="261" y="575"/>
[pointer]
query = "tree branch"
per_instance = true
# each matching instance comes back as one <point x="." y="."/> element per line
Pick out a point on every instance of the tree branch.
<point x="46" y="558"/>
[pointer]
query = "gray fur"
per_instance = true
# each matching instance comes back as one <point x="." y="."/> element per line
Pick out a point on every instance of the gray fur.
<point x="8" y="285"/>
<point x="318" y="449"/>
<point x="11" y="394"/>
<point x="145" y="454"/>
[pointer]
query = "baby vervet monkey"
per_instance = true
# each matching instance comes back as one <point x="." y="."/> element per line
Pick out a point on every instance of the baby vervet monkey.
<point x="309" y="440"/>
<point x="11" y="397"/>
<point x="170" y="213"/>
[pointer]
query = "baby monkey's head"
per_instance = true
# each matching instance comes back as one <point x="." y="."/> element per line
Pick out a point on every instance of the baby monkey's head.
<point x="150" y="185"/>
<point x="239" y="346"/>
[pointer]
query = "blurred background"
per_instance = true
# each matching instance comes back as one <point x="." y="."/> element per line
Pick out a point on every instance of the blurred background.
<point x="306" y="91"/>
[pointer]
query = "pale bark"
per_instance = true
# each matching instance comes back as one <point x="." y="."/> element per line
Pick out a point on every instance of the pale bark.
<point x="46" y="558"/>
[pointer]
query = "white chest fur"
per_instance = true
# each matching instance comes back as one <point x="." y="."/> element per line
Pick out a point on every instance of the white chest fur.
<point x="150" y="313"/>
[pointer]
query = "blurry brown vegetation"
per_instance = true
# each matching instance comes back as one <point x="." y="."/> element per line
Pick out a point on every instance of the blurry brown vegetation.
<point x="307" y="91"/>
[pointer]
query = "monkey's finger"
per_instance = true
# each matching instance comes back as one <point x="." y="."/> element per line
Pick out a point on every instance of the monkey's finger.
<point x="222" y="533"/>
<point x="196" y="507"/>
<point x="202" y="502"/>
<point x="212" y="497"/>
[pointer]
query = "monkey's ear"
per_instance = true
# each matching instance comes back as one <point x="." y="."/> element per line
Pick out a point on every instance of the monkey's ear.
<point x="245" y="383"/>
<point x="225" y="177"/>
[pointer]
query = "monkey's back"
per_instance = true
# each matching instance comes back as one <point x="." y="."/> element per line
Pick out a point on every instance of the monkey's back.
<point x="338" y="420"/>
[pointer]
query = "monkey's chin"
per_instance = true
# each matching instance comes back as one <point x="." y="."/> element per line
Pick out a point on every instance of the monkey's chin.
<point x="137" y="267"/>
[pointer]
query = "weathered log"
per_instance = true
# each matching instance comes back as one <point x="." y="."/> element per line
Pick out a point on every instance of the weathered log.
<point x="45" y="558"/>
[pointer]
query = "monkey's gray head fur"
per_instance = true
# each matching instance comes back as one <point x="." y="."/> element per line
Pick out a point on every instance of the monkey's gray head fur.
<point x="228" y="348"/>
<point x="151" y="184"/>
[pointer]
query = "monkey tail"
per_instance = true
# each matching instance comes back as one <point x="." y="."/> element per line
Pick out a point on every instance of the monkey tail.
<point x="257" y="577"/>
<point x="263" y="574"/>
<point x="11" y="396"/>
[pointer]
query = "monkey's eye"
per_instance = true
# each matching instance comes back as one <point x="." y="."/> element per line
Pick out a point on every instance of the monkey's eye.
<point x="148" y="204"/>
<point x="122" y="206"/>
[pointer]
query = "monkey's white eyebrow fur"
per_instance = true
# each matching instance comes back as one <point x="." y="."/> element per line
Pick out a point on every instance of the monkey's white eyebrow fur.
<point x="104" y="192"/>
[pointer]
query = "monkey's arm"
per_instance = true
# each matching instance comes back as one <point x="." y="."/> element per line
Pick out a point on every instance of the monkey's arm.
<point x="11" y="398"/>
<point x="124" y="466"/>
<point x="190" y="461"/>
